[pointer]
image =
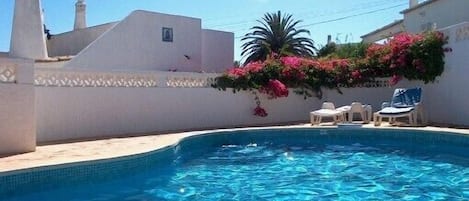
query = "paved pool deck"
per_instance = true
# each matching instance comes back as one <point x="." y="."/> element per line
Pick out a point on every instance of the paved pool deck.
<point x="63" y="153"/>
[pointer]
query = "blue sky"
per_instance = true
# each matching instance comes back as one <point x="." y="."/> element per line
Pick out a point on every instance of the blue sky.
<point x="345" y="20"/>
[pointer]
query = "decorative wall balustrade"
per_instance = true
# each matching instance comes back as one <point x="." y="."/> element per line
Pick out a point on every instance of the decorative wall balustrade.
<point x="379" y="83"/>
<point x="189" y="82"/>
<point x="67" y="78"/>
<point x="7" y="73"/>
<point x="60" y="78"/>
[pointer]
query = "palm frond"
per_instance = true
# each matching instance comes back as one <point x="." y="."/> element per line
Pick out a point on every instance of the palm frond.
<point x="276" y="33"/>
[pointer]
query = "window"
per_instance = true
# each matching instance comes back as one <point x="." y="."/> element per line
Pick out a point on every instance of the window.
<point x="167" y="34"/>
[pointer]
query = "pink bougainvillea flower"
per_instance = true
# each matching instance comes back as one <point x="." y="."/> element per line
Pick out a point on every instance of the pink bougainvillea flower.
<point x="401" y="60"/>
<point x="254" y="67"/>
<point x="293" y="74"/>
<point x="310" y="63"/>
<point x="279" y="89"/>
<point x="404" y="40"/>
<point x="356" y="75"/>
<point x="395" y="79"/>
<point x="292" y="62"/>
<point x="326" y="65"/>
<point x="259" y="111"/>
<point x="343" y="63"/>
<point x="275" y="89"/>
<point x="374" y="50"/>
<point x="330" y="65"/>
<point x="403" y="56"/>
<point x="236" y="72"/>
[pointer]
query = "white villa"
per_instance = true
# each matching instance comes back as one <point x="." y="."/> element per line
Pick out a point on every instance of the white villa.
<point x="142" y="41"/>
<point x="427" y="15"/>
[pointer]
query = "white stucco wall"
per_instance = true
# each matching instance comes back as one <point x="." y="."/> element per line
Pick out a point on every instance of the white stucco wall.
<point x="446" y="100"/>
<point x="84" y="112"/>
<point x="75" y="104"/>
<point x="443" y="13"/>
<point x="17" y="108"/>
<point x="71" y="43"/>
<point x="136" y="43"/>
<point x="217" y="50"/>
<point x="70" y="113"/>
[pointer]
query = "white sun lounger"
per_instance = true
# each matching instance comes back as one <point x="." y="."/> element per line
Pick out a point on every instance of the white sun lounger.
<point x="405" y="103"/>
<point x="392" y="113"/>
<point x="327" y="110"/>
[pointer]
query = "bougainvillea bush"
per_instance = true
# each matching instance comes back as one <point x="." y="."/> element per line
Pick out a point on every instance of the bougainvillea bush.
<point x="414" y="57"/>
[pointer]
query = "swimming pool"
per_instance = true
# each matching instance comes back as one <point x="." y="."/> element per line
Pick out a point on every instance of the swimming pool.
<point x="283" y="164"/>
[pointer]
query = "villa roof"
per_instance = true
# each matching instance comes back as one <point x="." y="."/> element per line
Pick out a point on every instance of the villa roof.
<point x="425" y="3"/>
<point x="383" y="28"/>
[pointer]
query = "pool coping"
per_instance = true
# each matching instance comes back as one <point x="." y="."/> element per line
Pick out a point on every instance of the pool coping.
<point x="94" y="150"/>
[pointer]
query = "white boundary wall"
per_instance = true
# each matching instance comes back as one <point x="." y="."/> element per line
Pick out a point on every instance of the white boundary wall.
<point x="84" y="104"/>
<point x="70" y="113"/>
<point x="446" y="100"/>
<point x="17" y="107"/>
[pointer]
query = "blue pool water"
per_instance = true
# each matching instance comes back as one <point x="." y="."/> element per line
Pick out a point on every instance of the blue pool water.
<point x="297" y="164"/>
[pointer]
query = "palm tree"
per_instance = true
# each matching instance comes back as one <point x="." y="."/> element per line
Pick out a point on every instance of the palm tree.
<point x="276" y="35"/>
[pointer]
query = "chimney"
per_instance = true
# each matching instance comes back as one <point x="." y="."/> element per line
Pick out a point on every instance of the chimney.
<point x="413" y="3"/>
<point x="329" y="39"/>
<point x="27" y="36"/>
<point x="80" y="15"/>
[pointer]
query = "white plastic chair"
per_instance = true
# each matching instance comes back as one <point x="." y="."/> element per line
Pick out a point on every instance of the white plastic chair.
<point x="356" y="108"/>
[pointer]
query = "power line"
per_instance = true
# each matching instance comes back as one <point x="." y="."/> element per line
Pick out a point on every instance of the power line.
<point x="350" y="16"/>
<point x="310" y="13"/>
<point x="345" y="17"/>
